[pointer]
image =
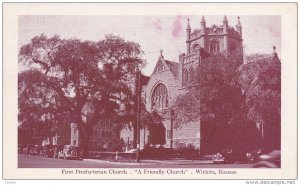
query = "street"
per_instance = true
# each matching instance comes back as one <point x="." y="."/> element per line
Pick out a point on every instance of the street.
<point x="28" y="161"/>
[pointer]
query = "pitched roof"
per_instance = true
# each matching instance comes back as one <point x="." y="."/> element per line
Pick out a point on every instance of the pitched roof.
<point x="173" y="67"/>
<point x="144" y="79"/>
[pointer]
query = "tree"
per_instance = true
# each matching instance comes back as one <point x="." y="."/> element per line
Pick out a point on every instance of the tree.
<point x="260" y="81"/>
<point x="212" y="99"/>
<point x="234" y="102"/>
<point x="66" y="74"/>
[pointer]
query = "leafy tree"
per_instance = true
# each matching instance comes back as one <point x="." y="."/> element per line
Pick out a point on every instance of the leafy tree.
<point x="67" y="74"/>
<point x="213" y="100"/>
<point x="260" y="82"/>
<point x="233" y="102"/>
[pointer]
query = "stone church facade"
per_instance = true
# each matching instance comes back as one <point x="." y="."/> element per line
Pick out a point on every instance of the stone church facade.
<point x="160" y="89"/>
<point x="169" y="79"/>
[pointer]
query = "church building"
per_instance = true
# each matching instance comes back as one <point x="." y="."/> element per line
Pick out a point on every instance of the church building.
<point x="170" y="78"/>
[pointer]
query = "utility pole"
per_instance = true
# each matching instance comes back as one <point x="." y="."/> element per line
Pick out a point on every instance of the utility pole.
<point x="171" y="132"/>
<point x="138" y="81"/>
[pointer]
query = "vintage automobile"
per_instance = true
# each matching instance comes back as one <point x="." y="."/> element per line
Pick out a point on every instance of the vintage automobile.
<point x="56" y="149"/>
<point x="70" y="152"/>
<point x="218" y="158"/>
<point x="47" y="151"/>
<point x="20" y="148"/>
<point x="226" y="156"/>
<point x="253" y="156"/>
<point x="26" y="150"/>
<point x="234" y="156"/>
<point x="269" y="160"/>
<point x="35" y="150"/>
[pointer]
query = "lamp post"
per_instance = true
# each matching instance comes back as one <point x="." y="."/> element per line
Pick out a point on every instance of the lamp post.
<point x="138" y="86"/>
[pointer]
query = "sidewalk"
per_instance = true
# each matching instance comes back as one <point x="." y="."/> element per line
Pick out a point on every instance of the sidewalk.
<point x="156" y="162"/>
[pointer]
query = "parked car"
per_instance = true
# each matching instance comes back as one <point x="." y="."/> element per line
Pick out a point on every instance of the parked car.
<point x="253" y="156"/>
<point x="47" y="151"/>
<point x="56" y="149"/>
<point x="231" y="156"/>
<point x="218" y="158"/>
<point x="270" y="160"/>
<point x="20" y="149"/>
<point x="26" y="150"/>
<point x="35" y="150"/>
<point x="70" y="152"/>
<point x="226" y="156"/>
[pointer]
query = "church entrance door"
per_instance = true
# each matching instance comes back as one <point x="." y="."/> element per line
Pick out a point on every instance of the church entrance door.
<point x="158" y="135"/>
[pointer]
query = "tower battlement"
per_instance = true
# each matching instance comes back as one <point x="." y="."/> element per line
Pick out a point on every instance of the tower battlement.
<point x="208" y="41"/>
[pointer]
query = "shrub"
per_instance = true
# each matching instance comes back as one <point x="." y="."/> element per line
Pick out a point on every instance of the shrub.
<point x="187" y="151"/>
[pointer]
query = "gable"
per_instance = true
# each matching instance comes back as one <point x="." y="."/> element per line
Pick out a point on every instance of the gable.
<point x="159" y="67"/>
<point x="163" y="65"/>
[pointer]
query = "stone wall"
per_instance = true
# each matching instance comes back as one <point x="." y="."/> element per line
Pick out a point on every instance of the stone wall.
<point x="188" y="133"/>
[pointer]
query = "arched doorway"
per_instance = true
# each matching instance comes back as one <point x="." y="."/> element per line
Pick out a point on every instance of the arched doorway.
<point x="157" y="135"/>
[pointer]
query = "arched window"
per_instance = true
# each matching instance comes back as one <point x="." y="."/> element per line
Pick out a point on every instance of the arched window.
<point x="159" y="100"/>
<point x="214" y="47"/>
<point x="153" y="103"/>
<point x="192" y="74"/>
<point x="196" y="48"/>
<point x="167" y="101"/>
<point x="159" y="97"/>
<point x="185" y="77"/>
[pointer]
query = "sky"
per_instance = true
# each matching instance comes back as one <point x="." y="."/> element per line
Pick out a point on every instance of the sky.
<point x="153" y="33"/>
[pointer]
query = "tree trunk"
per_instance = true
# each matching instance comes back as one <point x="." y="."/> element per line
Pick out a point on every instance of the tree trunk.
<point x="83" y="136"/>
<point x="84" y="146"/>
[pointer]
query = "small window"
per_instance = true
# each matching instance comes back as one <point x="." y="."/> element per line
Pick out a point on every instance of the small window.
<point x="214" y="47"/>
<point x="185" y="77"/>
<point x="169" y="134"/>
<point x="196" y="48"/>
<point x="192" y="74"/>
